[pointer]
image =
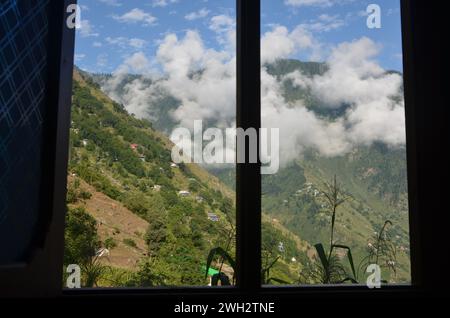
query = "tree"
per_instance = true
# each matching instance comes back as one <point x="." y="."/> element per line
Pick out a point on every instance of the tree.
<point x="81" y="239"/>
<point x="156" y="234"/>
<point x="147" y="276"/>
<point x="82" y="244"/>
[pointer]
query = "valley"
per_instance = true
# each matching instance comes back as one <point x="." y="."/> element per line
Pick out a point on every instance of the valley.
<point x="175" y="214"/>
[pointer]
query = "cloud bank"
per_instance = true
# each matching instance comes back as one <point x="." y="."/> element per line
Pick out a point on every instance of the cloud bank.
<point x="203" y="80"/>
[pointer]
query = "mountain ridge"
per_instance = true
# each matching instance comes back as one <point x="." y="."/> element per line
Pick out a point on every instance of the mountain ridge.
<point x="120" y="165"/>
<point x="375" y="176"/>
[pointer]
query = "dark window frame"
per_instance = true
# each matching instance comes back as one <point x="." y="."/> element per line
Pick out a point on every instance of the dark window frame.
<point x="426" y="131"/>
<point x="248" y="180"/>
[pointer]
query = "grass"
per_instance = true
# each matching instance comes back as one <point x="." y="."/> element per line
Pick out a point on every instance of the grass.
<point x="129" y="242"/>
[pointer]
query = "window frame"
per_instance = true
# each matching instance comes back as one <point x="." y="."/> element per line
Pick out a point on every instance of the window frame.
<point x="422" y="124"/>
<point x="248" y="182"/>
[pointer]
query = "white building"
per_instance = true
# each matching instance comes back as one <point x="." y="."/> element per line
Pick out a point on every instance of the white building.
<point x="213" y="217"/>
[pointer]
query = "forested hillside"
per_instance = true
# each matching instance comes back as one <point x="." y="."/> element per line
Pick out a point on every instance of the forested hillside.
<point x="371" y="222"/>
<point x="137" y="219"/>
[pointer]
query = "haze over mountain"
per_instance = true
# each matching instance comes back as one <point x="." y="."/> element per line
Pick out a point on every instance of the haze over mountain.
<point x="344" y="117"/>
<point x="149" y="221"/>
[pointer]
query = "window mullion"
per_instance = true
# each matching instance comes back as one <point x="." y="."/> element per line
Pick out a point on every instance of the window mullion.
<point x="248" y="187"/>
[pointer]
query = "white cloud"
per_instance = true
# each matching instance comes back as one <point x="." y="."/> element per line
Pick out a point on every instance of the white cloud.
<point x="79" y="57"/>
<point x="325" y="23"/>
<point x="352" y="65"/>
<point x="315" y="3"/>
<point x="114" y="3"/>
<point x="127" y="43"/>
<point x="97" y="44"/>
<point x="378" y="120"/>
<point x="137" y="43"/>
<point x="163" y="3"/>
<point x="210" y="96"/>
<point x="181" y="59"/>
<point x="280" y="43"/>
<point x="86" y="29"/>
<point x="276" y="44"/>
<point x="225" y="28"/>
<point x="138" y="63"/>
<point x="137" y="94"/>
<point x="202" y="13"/>
<point x="353" y="78"/>
<point x="203" y="80"/>
<point x="222" y="23"/>
<point x="305" y="3"/>
<point x="102" y="60"/>
<point x="137" y="16"/>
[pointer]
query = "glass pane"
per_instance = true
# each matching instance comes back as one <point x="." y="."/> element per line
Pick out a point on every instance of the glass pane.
<point x="151" y="79"/>
<point x="332" y="83"/>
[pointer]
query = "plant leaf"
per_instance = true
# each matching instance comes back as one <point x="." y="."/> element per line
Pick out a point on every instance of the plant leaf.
<point x="321" y="252"/>
<point x="349" y="256"/>
<point x="221" y="252"/>
<point x="220" y="277"/>
<point x="277" y="280"/>
<point x="348" y="279"/>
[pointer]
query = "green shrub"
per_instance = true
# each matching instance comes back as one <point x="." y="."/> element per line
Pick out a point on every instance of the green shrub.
<point x="156" y="235"/>
<point x="81" y="239"/>
<point x="110" y="243"/>
<point x="129" y="242"/>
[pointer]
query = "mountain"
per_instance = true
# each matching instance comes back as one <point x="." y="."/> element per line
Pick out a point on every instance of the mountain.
<point x="376" y="193"/>
<point x="372" y="177"/>
<point x="159" y="110"/>
<point x="135" y="218"/>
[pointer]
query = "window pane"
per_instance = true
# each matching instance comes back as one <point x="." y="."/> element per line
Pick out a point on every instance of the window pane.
<point x="332" y="83"/>
<point x="146" y="74"/>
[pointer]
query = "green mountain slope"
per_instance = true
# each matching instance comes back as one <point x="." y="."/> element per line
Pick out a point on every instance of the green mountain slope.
<point x="294" y="196"/>
<point x="373" y="177"/>
<point x="157" y="220"/>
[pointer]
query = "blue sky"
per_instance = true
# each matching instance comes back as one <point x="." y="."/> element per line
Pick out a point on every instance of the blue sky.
<point x="113" y="30"/>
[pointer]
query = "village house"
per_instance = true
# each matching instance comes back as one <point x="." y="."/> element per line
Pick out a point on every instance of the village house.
<point x="103" y="252"/>
<point x="134" y="147"/>
<point x="184" y="193"/>
<point x="213" y="217"/>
